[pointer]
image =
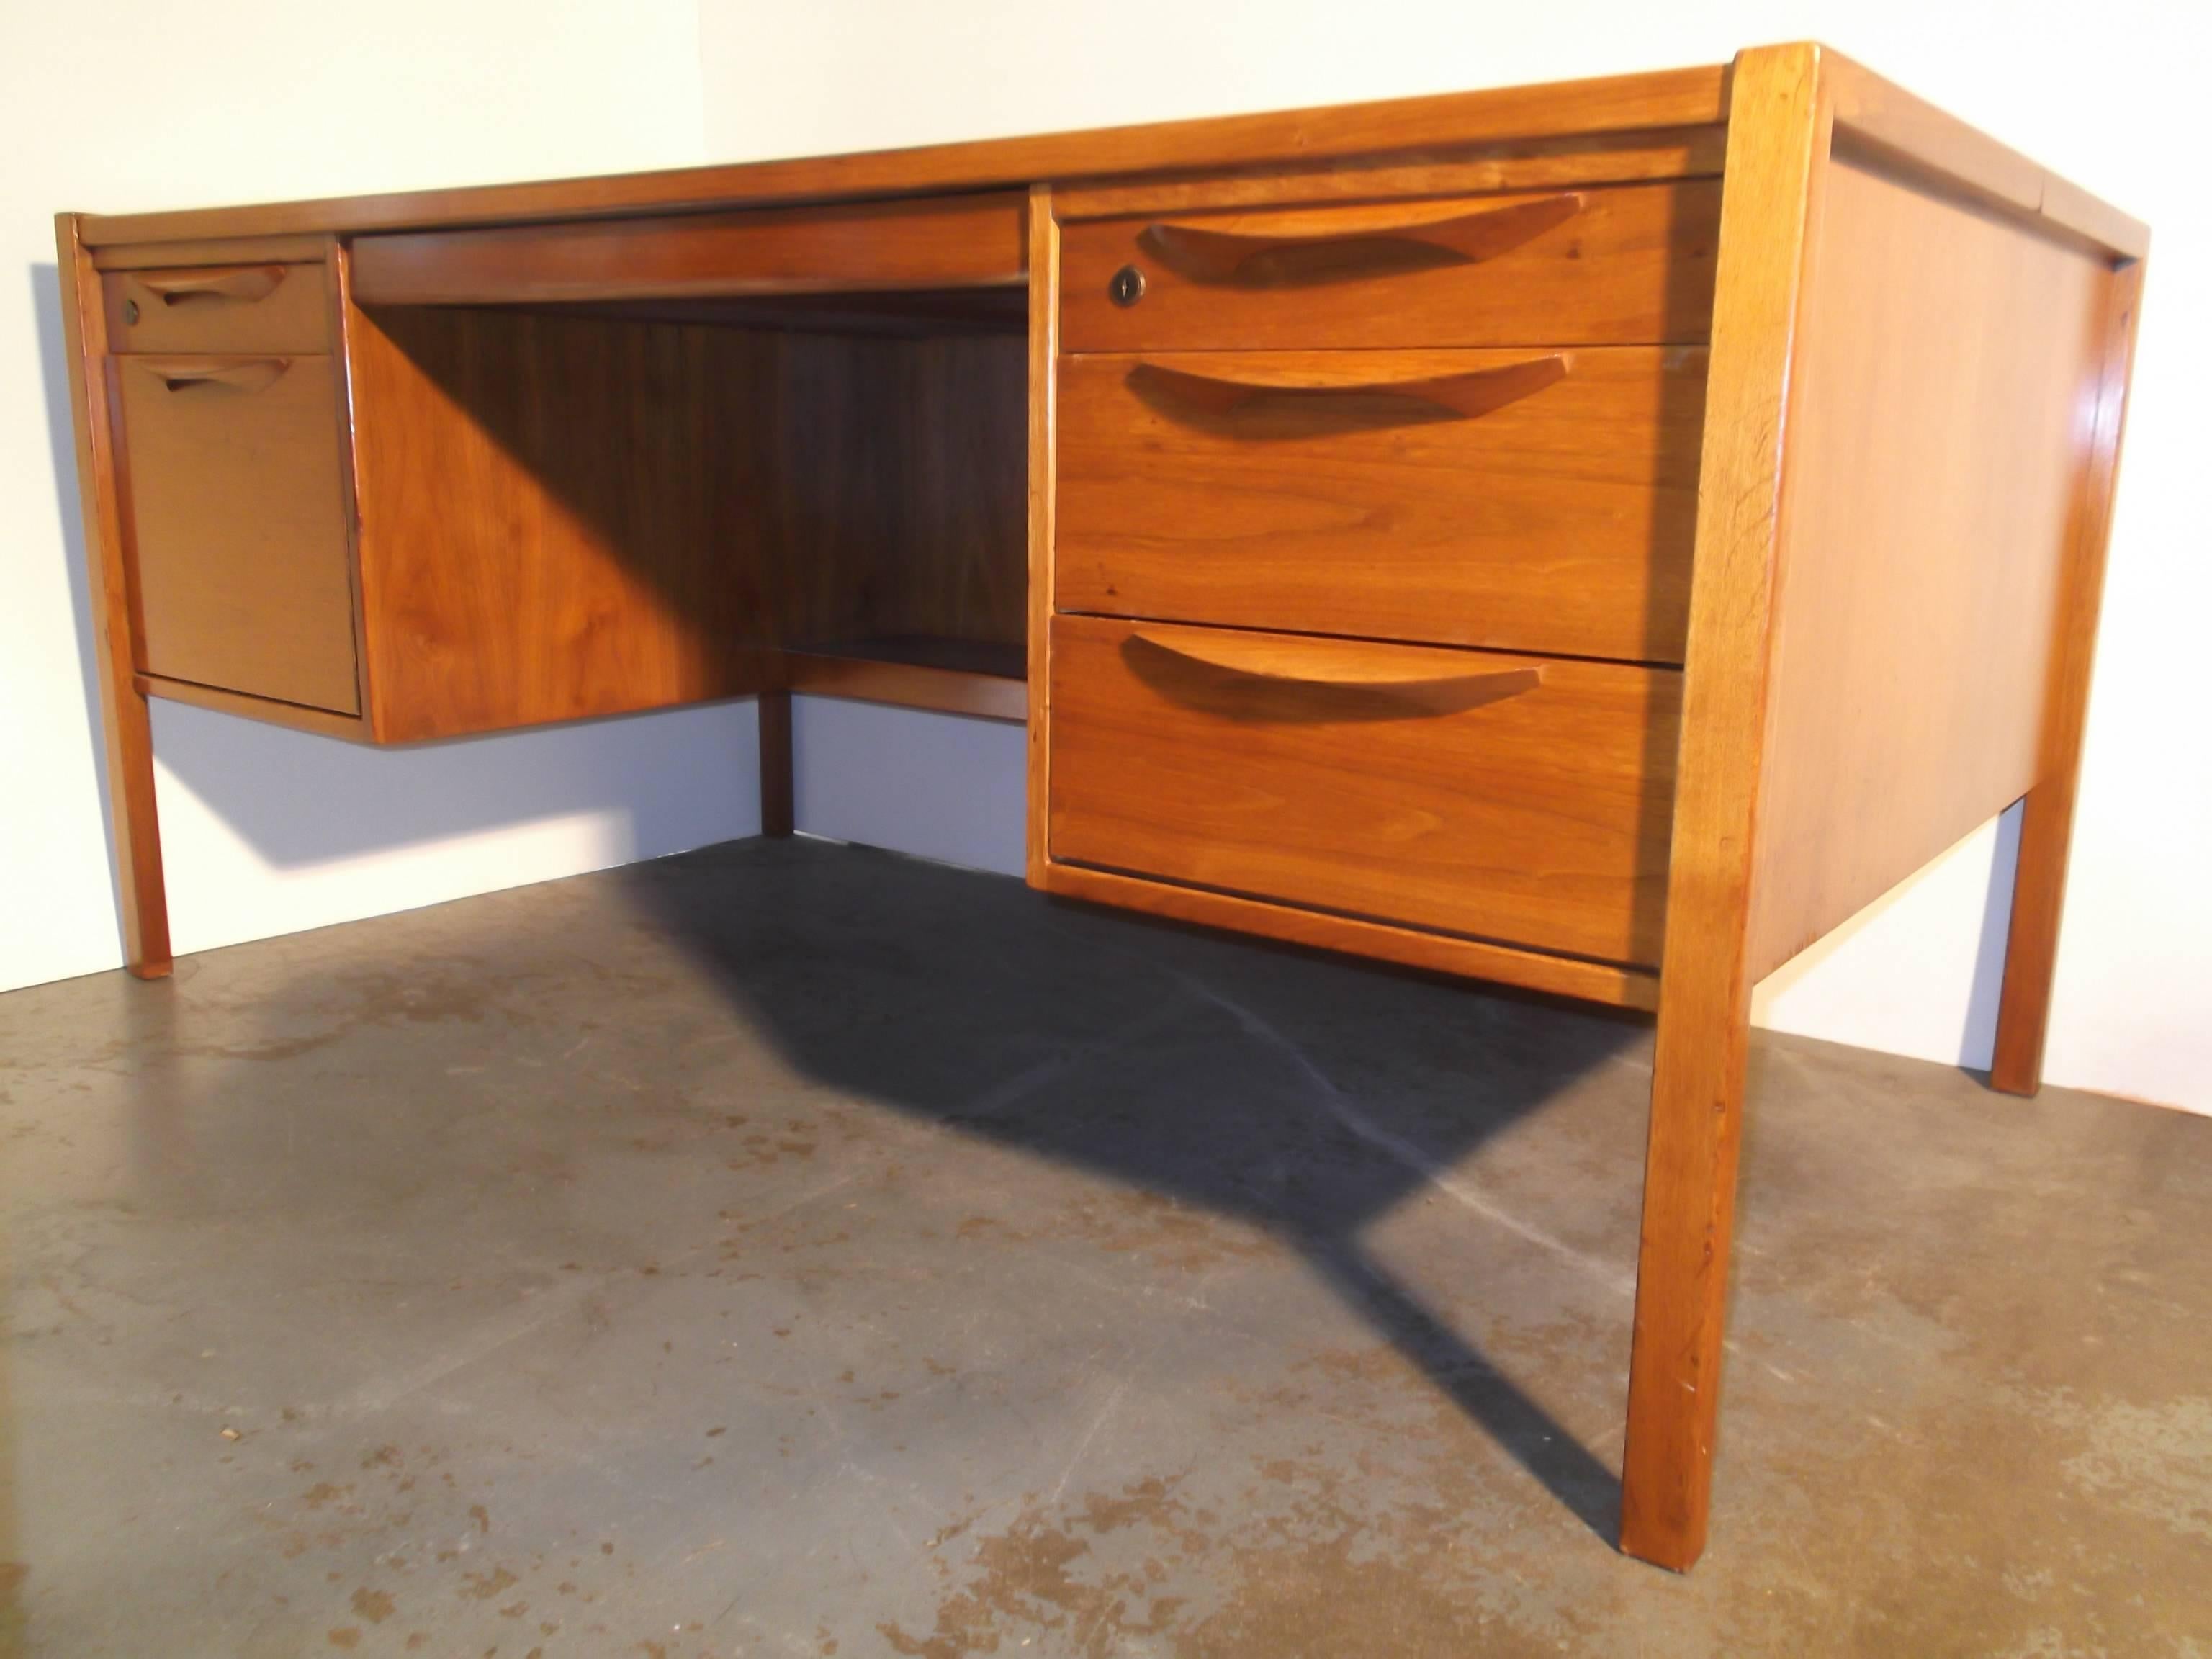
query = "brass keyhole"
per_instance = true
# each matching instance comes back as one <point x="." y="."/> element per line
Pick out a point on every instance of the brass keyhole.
<point x="1127" y="286"/>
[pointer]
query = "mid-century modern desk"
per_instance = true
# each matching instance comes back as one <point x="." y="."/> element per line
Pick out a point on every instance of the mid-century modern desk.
<point x="1593" y="537"/>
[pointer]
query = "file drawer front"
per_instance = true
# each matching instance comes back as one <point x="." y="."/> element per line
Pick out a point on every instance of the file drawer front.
<point x="1604" y="265"/>
<point x="268" y="307"/>
<point x="1533" y="500"/>
<point x="237" y="525"/>
<point x="1514" y="799"/>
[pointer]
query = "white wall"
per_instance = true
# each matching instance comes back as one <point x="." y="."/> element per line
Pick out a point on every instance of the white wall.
<point x="136" y="104"/>
<point x="264" y="100"/>
<point x="2108" y="94"/>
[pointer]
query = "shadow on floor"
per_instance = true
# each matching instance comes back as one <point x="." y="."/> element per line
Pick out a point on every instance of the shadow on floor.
<point x="968" y="1000"/>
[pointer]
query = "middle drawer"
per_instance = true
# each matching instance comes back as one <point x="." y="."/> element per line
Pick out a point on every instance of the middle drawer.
<point x="1527" y="499"/>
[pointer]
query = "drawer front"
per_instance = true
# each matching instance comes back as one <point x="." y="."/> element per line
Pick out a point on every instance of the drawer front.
<point x="1535" y="501"/>
<point x="1614" y="265"/>
<point x="1507" y="797"/>
<point x="949" y="242"/>
<point x="273" y="307"/>
<point x="237" y="525"/>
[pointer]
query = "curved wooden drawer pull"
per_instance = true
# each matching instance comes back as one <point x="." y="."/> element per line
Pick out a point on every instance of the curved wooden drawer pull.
<point x="248" y="284"/>
<point x="1266" y="259"/>
<point x="1328" y="665"/>
<point x="242" y="374"/>
<point x="1476" y="392"/>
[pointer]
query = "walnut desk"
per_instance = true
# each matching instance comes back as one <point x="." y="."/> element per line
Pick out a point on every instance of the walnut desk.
<point x="1594" y="537"/>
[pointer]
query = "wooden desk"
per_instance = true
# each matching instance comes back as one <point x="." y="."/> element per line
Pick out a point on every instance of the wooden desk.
<point x="1596" y="538"/>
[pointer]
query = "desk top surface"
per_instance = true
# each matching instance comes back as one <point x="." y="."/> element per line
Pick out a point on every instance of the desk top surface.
<point x="1553" y="112"/>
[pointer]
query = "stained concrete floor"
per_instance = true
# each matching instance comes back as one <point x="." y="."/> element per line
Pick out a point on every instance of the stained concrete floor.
<point x="794" y="1249"/>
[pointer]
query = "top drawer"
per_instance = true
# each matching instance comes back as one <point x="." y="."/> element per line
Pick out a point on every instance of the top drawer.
<point x="217" y="308"/>
<point x="1614" y="265"/>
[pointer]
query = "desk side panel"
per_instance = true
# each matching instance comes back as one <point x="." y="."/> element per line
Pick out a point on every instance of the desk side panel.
<point x="565" y="516"/>
<point x="1949" y="365"/>
<point x="549" y="517"/>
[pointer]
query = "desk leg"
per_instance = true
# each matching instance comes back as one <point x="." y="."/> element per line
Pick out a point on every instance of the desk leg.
<point x="2039" y="894"/>
<point x="1780" y="128"/>
<point x="1681" y="1272"/>
<point x="2046" y="826"/>
<point x="778" y="797"/>
<point x="141" y="901"/>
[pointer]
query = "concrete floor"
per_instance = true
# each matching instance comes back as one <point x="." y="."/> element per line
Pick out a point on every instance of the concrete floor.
<point x="794" y="1249"/>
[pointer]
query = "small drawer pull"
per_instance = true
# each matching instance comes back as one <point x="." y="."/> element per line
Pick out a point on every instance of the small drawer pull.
<point x="241" y="373"/>
<point x="1372" y="685"/>
<point x="1475" y="392"/>
<point x="246" y="283"/>
<point x="1277" y="259"/>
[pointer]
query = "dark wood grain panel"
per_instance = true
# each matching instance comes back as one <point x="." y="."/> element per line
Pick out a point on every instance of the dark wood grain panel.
<point x="569" y="516"/>
<point x="1375" y="780"/>
<point x="1559" y="521"/>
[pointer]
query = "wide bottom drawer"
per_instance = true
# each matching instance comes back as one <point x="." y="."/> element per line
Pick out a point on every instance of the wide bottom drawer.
<point x="1522" y="799"/>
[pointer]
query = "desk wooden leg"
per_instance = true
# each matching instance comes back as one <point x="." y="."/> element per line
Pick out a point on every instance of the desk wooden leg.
<point x="142" y="895"/>
<point x="2046" y="826"/>
<point x="778" y="797"/>
<point x="2039" y="893"/>
<point x="142" y="900"/>
<point x="1682" y="1273"/>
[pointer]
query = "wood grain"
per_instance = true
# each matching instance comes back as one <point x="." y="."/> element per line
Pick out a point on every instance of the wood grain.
<point x="1913" y="634"/>
<point x="1559" y="521"/>
<point x="1442" y="953"/>
<point x="1633" y="266"/>
<point x="1777" y="136"/>
<point x="1537" y="819"/>
<point x="1627" y="103"/>
<point x="932" y="242"/>
<point x="254" y="308"/>
<point x="564" y="517"/>
<point x="237" y="524"/>
<point x="2047" y="821"/>
<point x="1621" y="158"/>
<point x="126" y="735"/>
<point x="1043" y="495"/>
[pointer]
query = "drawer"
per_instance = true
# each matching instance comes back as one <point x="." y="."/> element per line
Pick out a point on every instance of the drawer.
<point x="1513" y="798"/>
<point x="1535" y="501"/>
<point x="229" y="472"/>
<point x="930" y="243"/>
<point x="276" y="308"/>
<point x="1613" y="265"/>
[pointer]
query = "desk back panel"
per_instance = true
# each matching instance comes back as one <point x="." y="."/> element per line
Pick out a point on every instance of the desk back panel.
<point x="573" y="515"/>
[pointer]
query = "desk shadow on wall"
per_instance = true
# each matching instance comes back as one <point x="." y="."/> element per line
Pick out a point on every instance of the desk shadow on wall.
<point x="61" y="437"/>
<point x="300" y="800"/>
